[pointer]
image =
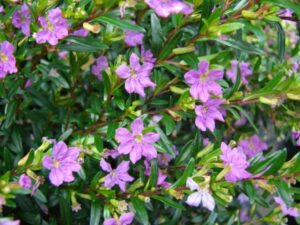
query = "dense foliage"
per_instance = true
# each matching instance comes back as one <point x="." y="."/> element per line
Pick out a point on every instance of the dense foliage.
<point x="149" y="112"/>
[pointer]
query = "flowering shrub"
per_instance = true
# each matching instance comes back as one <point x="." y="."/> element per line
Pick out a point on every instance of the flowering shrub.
<point x="149" y="112"/>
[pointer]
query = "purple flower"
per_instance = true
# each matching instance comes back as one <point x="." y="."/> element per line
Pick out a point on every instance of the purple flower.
<point x="21" y="19"/>
<point x="9" y="222"/>
<point x="137" y="76"/>
<point x="200" y="197"/>
<point x="295" y="66"/>
<point x="54" y="28"/>
<point x="237" y="161"/>
<point x="62" y="54"/>
<point x="252" y="146"/>
<point x="100" y="65"/>
<point x="296" y="136"/>
<point x="245" y="71"/>
<point x="28" y="83"/>
<point x="111" y="153"/>
<point x="165" y="8"/>
<point x="164" y="159"/>
<point x="80" y="32"/>
<point x="7" y="59"/>
<point x="25" y="181"/>
<point x="147" y="56"/>
<point x="240" y="122"/>
<point x="125" y="219"/>
<point x="62" y="163"/>
<point x="1" y="9"/>
<point x="285" y="209"/>
<point x="133" y="38"/>
<point x="204" y="81"/>
<point x="161" y="179"/>
<point x="136" y="143"/>
<point x="208" y="113"/>
<point x="118" y="176"/>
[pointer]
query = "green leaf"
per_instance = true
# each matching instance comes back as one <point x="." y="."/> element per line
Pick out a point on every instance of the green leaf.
<point x="240" y="45"/>
<point x="169" y="123"/>
<point x="125" y="25"/>
<point x="111" y="130"/>
<point x="247" y="116"/>
<point x="98" y="143"/>
<point x="65" y="135"/>
<point x="141" y="212"/>
<point x="65" y="209"/>
<point x="10" y="110"/>
<point x="95" y="213"/>
<point x="226" y="28"/>
<point x="168" y="48"/>
<point x="168" y="202"/>
<point x="280" y="40"/>
<point x="164" y="142"/>
<point x="271" y="163"/>
<point x="285" y="4"/>
<point x="82" y="44"/>
<point x="236" y="84"/>
<point x="152" y="181"/>
<point x="156" y="33"/>
<point x="187" y="172"/>
<point x="188" y="150"/>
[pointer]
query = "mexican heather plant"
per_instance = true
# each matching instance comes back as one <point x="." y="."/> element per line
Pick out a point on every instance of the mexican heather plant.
<point x="167" y="112"/>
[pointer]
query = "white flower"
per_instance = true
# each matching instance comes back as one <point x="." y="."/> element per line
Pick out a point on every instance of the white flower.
<point x="201" y="196"/>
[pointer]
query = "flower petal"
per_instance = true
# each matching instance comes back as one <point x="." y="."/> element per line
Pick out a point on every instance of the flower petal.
<point x="137" y="126"/>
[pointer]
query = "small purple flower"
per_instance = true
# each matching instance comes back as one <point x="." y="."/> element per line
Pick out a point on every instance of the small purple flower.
<point x="165" y="8"/>
<point x="136" y="143"/>
<point x="9" y="222"/>
<point x="204" y="81"/>
<point x="237" y="161"/>
<point x="200" y="197"/>
<point x="80" y="32"/>
<point x="118" y="176"/>
<point x="240" y="122"/>
<point x="245" y="71"/>
<point x="62" y="163"/>
<point x="208" y="113"/>
<point x="147" y="56"/>
<point x="295" y="66"/>
<point x="21" y="19"/>
<point x="296" y="136"/>
<point x="285" y="209"/>
<point x="54" y="28"/>
<point x="164" y="159"/>
<point x="111" y="153"/>
<point x="137" y="76"/>
<point x="206" y="141"/>
<point x="25" y="181"/>
<point x="1" y="9"/>
<point x="133" y="38"/>
<point x="7" y="59"/>
<point x="161" y="179"/>
<point x="125" y="219"/>
<point x="28" y="83"/>
<point x="62" y="54"/>
<point x="100" y="65"/>
<point x="252" y="146"/>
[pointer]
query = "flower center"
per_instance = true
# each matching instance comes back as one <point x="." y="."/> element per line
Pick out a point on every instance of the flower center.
<point x="204" y="109"/>
<point x="56" y="163"/>
<point x="203" y="77"/>
<point x="113" y="173"/>
<point x="139" y="138"/>
<point x="3" y="57"/>
<point x="50" y="26"/>
<point x="132" y="73"/>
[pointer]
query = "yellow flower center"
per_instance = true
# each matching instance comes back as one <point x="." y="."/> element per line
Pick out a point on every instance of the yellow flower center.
<point x="56" y="163"/>
<point x="3" y="57"/>
<point x="132" y="73"/>
<point x="203" y="77"/>
<point x="50" y="26"/>
<point x="139" y="138"/>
